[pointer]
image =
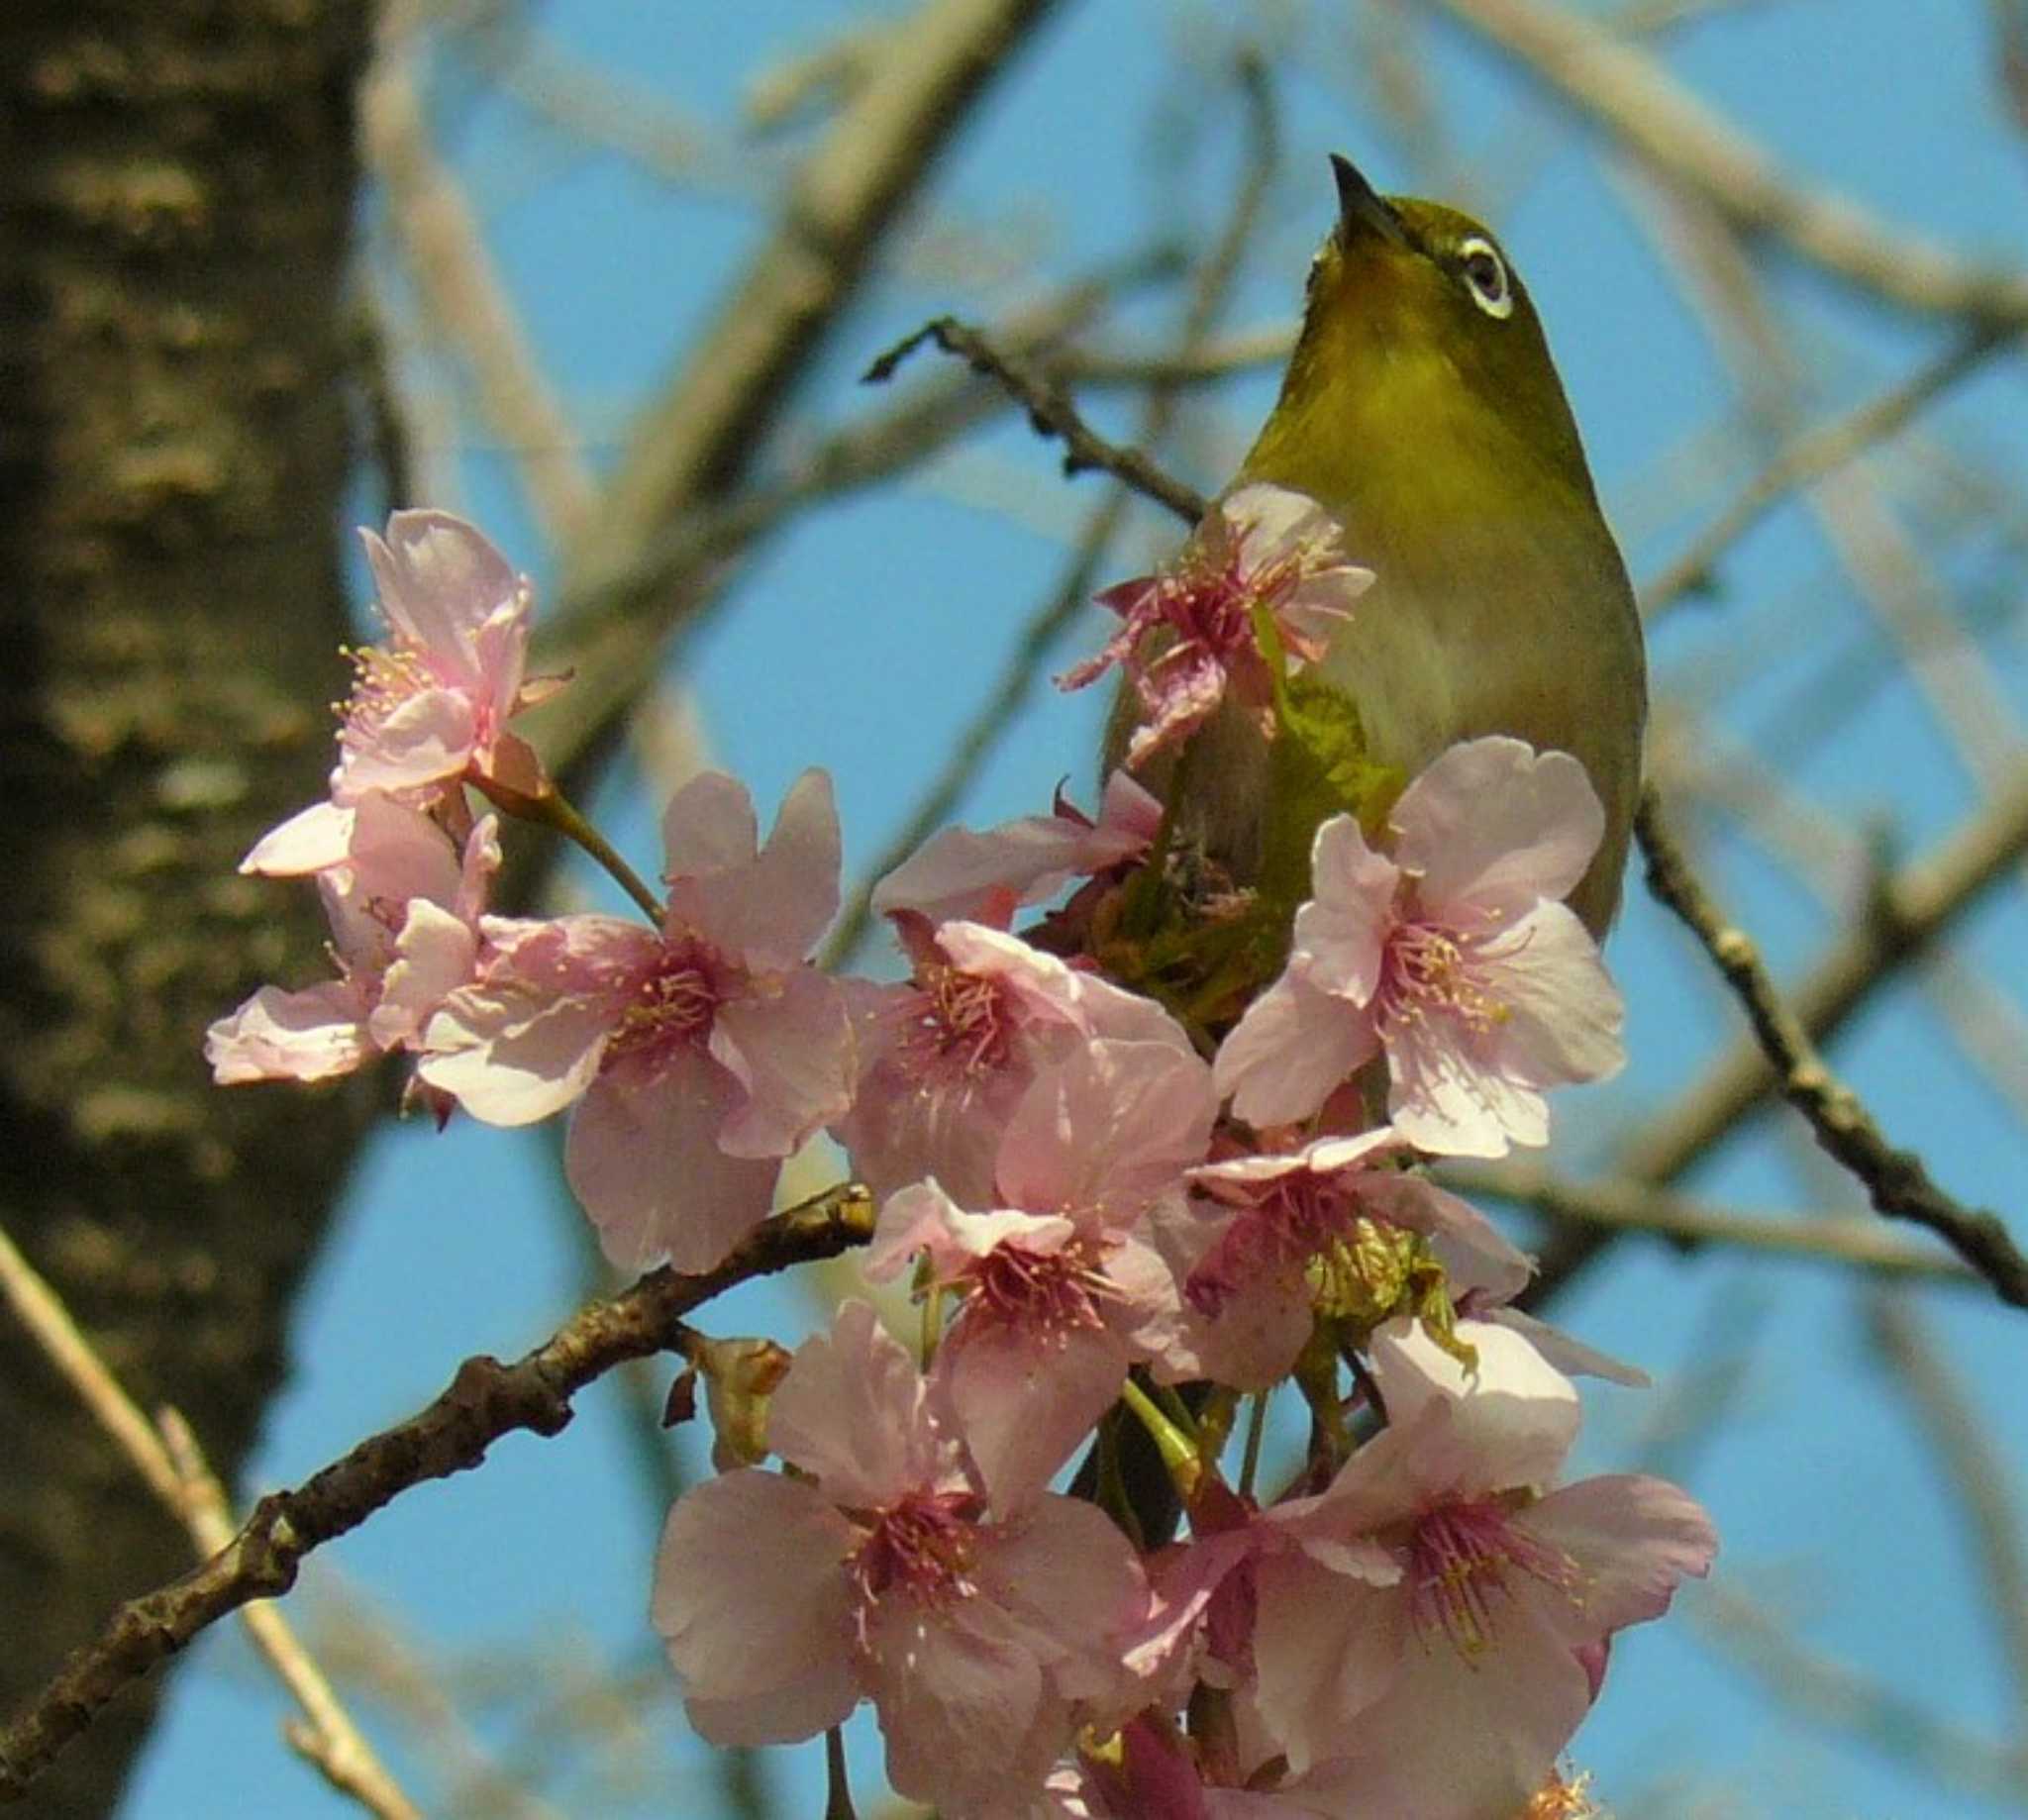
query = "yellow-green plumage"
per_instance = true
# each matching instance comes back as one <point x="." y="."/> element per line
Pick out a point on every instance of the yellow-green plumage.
<point x="1437" y="432"/>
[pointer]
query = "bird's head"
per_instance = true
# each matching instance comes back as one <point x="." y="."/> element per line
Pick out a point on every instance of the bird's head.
<point x="1418" y="334"/>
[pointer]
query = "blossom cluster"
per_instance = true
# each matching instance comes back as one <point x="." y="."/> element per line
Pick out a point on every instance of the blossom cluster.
<point x="1114" y="1205"/>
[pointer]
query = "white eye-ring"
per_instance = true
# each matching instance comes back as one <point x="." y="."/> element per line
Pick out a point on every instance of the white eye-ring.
<point x="1485" y="278"/>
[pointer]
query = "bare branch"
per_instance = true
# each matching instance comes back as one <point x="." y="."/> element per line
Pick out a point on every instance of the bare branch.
<point x="1624" y="1206"/>
<point x="483" y="1401"/>
<point x="1904" y="919"/>
<point x="1627" y="92"/>
<point x="1812" y="455"/>
<point x="175" y="1471"/>
<point x="446" y="251"/>
<point x="1051" y="413"/>
<point x="1897" y="1181"/>
<point x="1215" y="275"/>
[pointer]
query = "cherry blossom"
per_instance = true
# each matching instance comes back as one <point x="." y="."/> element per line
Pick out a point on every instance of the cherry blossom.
<point x="1188" y="634"/>
<point x="431" y="705"/>
<point x="963" y="875"/>
<point x="1454" y="956"/>
<point x="1053" y="1288"/>
<point x="404" y="913"/>
<point x="1432" y="1626"/>
<point x="945" y="1058"/>
<point x="703" y="1053"/>
<point x="1265" y="1238"/>
<point x="884" y="1569"/>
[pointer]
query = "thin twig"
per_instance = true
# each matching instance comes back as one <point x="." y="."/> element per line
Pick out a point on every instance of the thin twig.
<point x="1904" y="919"/>
<point x="1215" y="275"/>
<point x="1621" y="1205"/>
<point x="176" y="1471"/>
<point x="483" y="1401"/>
<point x="1051" y="411"/>
<point x="446" y="251"/>
<point x="1897" y="1181"/>
<point x="1812" y="455"/>
<point x="1948" y="1758"/>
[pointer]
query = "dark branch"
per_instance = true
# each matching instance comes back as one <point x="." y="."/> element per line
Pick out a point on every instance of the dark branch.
<point x="1051" y="413"/>
<point x="483" y="1401"/>
<point x="1895" y="1180"/>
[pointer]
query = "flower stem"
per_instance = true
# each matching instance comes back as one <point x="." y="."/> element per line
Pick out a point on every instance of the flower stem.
<point x="837" y="1801"/>
<point x="547" y="807"/>
<point x="1178" y="1450"/>
<point x="1256" y="1427"/>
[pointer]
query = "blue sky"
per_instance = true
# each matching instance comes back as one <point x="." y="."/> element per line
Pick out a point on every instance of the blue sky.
<point x="862" y="639"/>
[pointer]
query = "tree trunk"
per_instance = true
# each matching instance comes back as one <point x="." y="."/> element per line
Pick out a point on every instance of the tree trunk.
<point x="176" y="187"/>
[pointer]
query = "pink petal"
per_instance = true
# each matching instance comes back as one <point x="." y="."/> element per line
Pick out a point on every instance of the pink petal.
<point x="1026" y="1400"/>
<point x="1459" y="1738"/>
<point x="753" y="1600"/>
<point x="771" y="905"/>
<point x="1076" y="1583"/>
<point x="1635" y="1538"/>
<point x="312" y="1035"/>
<point x="853" y="1411"/>
<point x="1340" y="934"/>
<point x="428" y="736"/>
<point x="963" y="1707"/>
<point x="310" y="841"/>
<point x="1290" y="1050"/>
<point x="792" y="1054"/>
<point x="1565" y="1014"/>
<point x="434" y="955"/>
<point x="643" y="1158"/>
<point x="1494" y="823"/>
<point x="1448" y="1100"/>
<point x="1514" y="1416"/>
<point x="1105" y="1130"/>
<point x="1326" y="1648"/>
<point x="440" y="581"/>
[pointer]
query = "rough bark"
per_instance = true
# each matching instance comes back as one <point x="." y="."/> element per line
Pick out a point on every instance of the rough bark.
<point x="177" y="183"/>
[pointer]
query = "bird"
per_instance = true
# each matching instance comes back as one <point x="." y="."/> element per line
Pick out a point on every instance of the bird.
<point x="1421" y="408"/>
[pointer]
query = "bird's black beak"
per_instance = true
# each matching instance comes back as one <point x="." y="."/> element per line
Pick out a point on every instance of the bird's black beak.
<point x="1362" y="211"/>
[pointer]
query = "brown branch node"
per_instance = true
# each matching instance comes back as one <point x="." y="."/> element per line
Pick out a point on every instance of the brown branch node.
<point x="484" y="1400"/>
<point x="1897" y="1181"/>
<point x="1050" y="412"/>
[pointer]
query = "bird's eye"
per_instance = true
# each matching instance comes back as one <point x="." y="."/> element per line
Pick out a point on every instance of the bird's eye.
<point x="1485" y="278"/>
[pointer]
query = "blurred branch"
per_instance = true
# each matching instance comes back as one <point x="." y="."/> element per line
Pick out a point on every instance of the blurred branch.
<point x="174" y="1469"/>
<point x="1623" y="89"/>
<point x="1946" y="1756"/>
<point x="600" y="631"/>
<point x="695" y="442"/>
<point x="703" y="431"/>
<point x="1050" y="412"/>
<point x="1621" y="1205"/>
<point x="446" y="251"/>
<point x="1897" y="1181"/>
<point x="1214" y="279"/>
<point x="1973" y="1468"/>
<point x="484" y="1401"/>
<point x="1813" y="454"/>
<point x="1214" y="358"/>
<point x="1903" y="919"/>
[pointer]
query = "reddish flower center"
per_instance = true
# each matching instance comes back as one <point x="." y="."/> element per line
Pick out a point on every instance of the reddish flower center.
<point x="921" y="1547"/>
<point x="1048" y="1293"/>
<point x="1299" y="1215"/>
<point x="672" y="1005"/>
<point x="1427" y="970"/>
<point x="959" y="1023"/>
<point x="1461" y="1558"/>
